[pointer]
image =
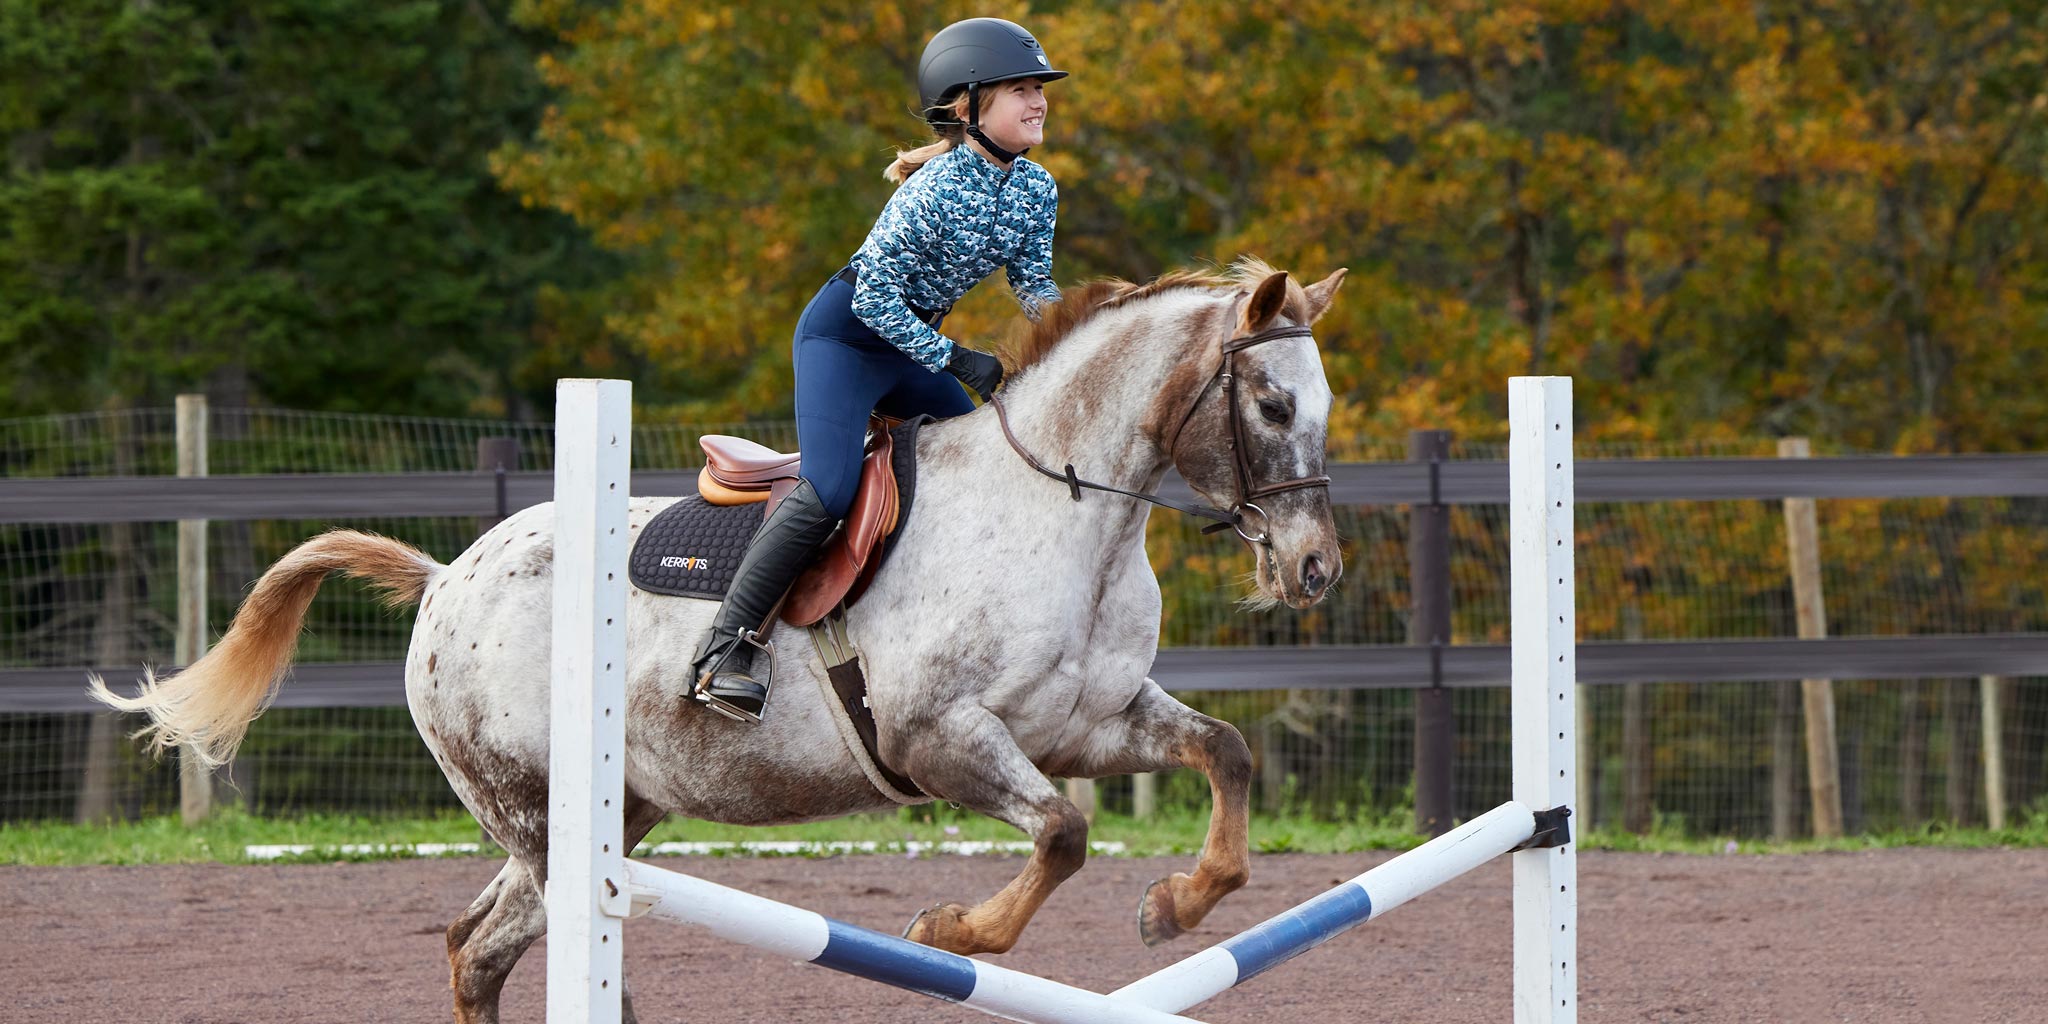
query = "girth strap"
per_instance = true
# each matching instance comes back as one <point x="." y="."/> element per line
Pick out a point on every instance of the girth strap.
<point x="850" y="685"/>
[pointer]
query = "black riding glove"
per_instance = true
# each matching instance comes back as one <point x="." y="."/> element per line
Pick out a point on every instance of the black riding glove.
<point x="977" y="370"/>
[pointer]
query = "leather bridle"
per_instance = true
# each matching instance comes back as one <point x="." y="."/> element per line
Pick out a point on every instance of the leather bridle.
<point x="1246" y="491"/>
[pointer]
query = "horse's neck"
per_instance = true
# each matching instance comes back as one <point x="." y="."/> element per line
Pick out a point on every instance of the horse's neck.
<point x="1094" y="400"/>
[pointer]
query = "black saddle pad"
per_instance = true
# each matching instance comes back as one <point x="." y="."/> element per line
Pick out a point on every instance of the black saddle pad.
<point x="692" y="548"/>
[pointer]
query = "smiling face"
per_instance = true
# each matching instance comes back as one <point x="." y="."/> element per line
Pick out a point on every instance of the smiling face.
<point x="1013" y="113"/>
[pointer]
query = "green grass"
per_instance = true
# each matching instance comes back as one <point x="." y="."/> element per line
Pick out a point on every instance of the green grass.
<point x="165" y="841"/>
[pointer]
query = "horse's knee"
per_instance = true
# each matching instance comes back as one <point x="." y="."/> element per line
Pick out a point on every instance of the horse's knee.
<point x="472" y="918"/>
<point x="1063" y="846"/>
<point x="1221" y="753"/>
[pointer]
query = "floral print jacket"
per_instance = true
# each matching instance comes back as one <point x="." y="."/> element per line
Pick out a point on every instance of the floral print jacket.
<point x="949" y="225"/>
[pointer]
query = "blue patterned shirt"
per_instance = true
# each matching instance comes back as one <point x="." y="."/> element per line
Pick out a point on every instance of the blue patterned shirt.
<point x="948" y="226"/>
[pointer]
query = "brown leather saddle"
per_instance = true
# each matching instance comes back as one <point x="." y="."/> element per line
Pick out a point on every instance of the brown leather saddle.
<point x="739" y="472"/>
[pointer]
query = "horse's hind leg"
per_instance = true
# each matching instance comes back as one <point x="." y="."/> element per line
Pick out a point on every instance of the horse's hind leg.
<point x="971" y="760"/>
<point x="1157" y="733"/>
<point x="489" y="938"/>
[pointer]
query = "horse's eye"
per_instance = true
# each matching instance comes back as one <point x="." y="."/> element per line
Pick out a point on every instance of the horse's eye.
<point x="1274" y="412"/>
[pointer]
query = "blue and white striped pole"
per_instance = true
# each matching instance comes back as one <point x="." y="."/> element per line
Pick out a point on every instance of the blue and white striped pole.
<point x="1282" y="938"/>
<point x="813" y="938"/>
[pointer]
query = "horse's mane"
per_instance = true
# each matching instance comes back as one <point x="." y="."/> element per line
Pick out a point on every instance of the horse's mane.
<point x="1080" y="304"/>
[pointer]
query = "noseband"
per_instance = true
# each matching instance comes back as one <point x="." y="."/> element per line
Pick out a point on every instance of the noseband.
<point x="1246" y="491"/>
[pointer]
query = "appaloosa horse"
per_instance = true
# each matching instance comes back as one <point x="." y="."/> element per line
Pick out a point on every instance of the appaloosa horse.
<point x="1007" y="638"/>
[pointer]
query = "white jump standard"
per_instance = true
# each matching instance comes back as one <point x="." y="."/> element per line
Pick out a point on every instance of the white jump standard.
<point x="592" y="886"/>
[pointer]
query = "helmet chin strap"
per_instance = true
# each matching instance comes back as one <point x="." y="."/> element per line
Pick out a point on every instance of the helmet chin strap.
<point x="974" y="128"/>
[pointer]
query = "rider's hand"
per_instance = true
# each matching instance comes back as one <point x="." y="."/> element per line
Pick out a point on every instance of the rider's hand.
<point x="977" y="370"/>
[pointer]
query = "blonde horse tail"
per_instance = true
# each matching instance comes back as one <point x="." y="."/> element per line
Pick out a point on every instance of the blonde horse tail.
<point x="207" y="708"/>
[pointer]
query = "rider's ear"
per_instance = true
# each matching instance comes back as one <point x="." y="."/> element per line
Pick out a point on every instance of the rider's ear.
<point x="1267" y="298"/>
<point x="1320" y="294"/>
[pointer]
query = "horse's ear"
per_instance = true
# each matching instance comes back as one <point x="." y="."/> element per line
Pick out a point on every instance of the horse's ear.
<point x="1267" y="299"/>
<point x="1320" y="294"/>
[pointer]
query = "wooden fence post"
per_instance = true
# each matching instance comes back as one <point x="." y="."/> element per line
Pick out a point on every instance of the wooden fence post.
<point x="1991" y="699"/>
<point x="1429" y="624"/>
<point x="195" y="781"/>
<point x="1272" y="767"/>
<point x="1638" y="810"/>
<point x="1823" y="764"/>
<point x="1081" y="793"/>
<point x="1584" y="798"/>
<point x="1144" y="795"/>
<point x="1784" y="760"/>
<point x="499" y="455"/>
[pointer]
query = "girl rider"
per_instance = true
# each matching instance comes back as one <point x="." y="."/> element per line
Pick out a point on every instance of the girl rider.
<point x="869" y="340"/>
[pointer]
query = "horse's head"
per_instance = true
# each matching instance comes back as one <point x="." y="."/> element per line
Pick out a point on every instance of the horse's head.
<point x="1254" y="439"/>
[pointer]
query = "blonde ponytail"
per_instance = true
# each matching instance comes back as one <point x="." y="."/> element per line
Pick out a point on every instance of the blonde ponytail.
<point x="909" y="160"/>
<point x="946" y="138"/>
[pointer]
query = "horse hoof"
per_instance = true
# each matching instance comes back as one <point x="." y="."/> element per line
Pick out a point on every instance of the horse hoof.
<point x="1156" y="922"/>
<point x="939" y="927"/>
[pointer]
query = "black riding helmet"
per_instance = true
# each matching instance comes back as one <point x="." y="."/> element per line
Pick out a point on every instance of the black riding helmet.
<point x="973" y="53"/>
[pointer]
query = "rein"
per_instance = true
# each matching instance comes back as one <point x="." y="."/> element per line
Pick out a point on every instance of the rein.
<point x="1233" y="517"/>
<point x="1223" y="517"/>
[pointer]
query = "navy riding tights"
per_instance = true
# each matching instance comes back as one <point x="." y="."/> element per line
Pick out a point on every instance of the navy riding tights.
<point x="844" y="371"/>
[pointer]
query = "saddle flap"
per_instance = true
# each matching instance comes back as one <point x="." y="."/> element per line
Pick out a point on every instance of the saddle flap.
<point x="833" y="577"/>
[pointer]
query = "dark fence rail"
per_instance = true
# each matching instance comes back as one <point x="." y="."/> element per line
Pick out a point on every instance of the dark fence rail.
<point x="1346" y="667"/>
<point x="313" y="496"/>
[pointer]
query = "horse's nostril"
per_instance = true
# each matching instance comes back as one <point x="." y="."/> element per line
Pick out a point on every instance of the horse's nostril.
<point x="1313" y="574"/>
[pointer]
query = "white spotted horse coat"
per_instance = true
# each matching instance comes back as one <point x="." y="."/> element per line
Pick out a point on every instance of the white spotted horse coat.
<point x="1007" y="638"/>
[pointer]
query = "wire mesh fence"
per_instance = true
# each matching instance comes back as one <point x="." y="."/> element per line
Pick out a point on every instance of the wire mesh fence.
<point x="80" y="594"/>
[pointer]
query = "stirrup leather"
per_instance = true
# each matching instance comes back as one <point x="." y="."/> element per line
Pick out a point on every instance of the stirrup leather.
<point x="702" y="691"/>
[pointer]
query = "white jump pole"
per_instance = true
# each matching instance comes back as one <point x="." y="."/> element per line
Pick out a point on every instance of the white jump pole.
<point x="1545" y="669"/>
<point x="586" y="894"/>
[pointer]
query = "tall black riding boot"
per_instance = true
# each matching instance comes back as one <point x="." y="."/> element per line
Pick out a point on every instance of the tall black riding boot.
<point x="784" y="545"/>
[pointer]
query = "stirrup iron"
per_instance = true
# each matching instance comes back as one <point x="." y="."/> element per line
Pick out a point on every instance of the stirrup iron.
<point x="702" y="691"/>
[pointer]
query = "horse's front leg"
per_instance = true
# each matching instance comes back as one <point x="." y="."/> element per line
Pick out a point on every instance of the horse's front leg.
<point x="969" y="758"/>
<point x="1159" y="733"/>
